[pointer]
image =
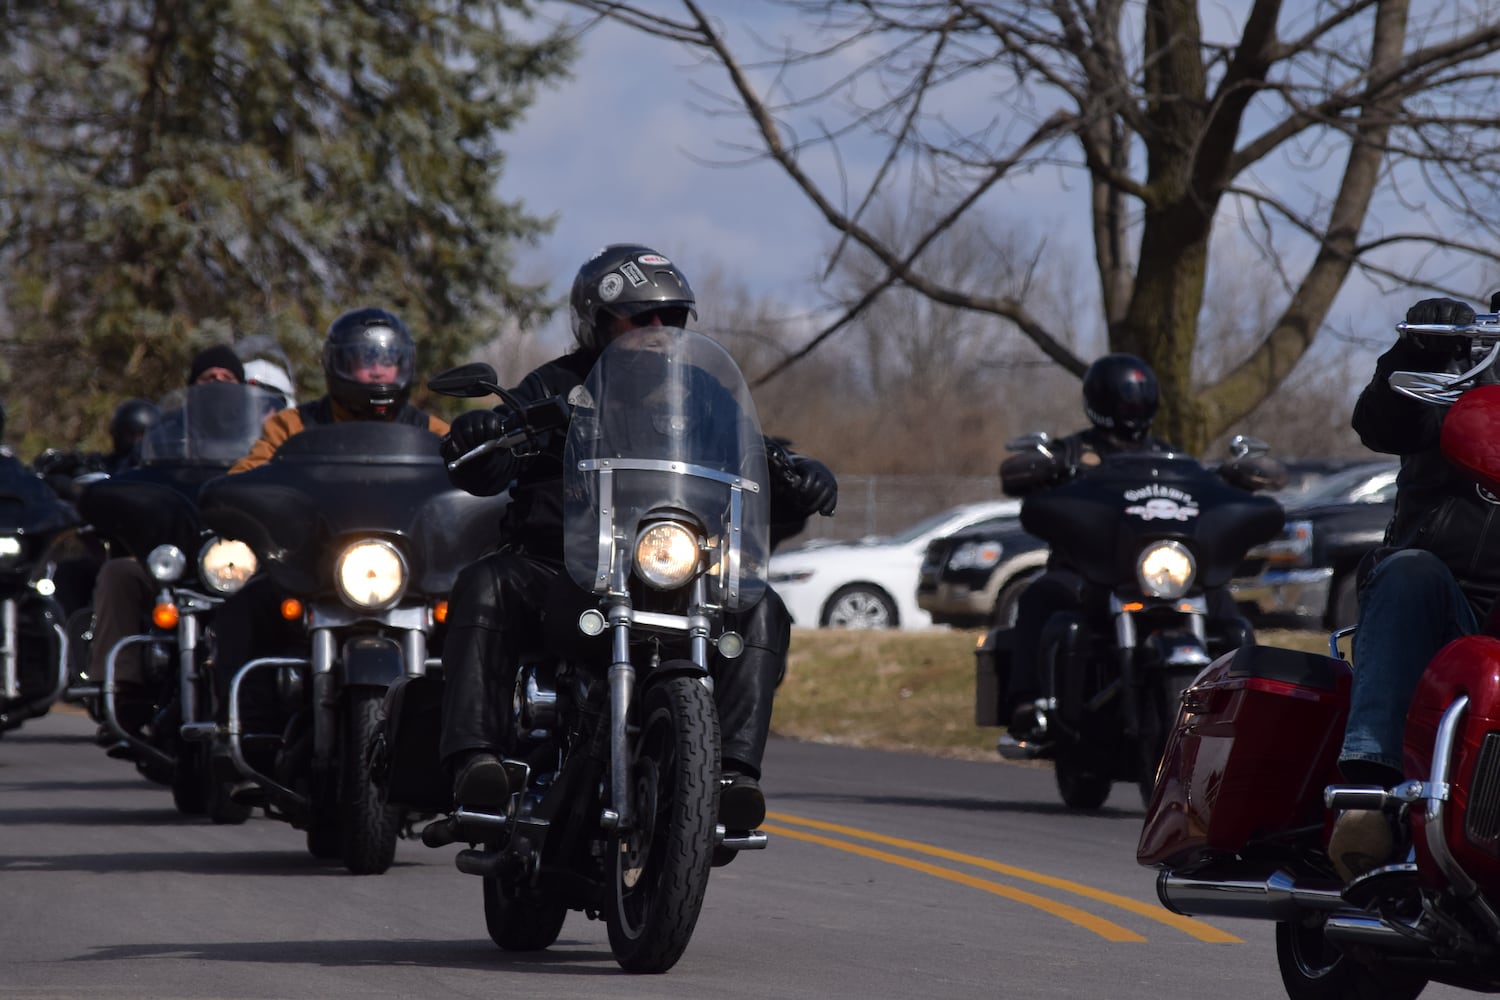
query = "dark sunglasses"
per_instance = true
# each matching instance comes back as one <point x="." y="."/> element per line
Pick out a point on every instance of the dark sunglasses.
<point x="669" y="316"/>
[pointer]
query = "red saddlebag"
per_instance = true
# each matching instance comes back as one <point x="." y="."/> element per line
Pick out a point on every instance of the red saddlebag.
<point x="1256" y="742"/>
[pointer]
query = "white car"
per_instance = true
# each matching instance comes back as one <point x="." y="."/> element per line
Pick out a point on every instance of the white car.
<point x="871" y="583"/>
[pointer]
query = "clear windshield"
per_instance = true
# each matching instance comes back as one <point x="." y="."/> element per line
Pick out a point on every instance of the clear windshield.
<point x="665" y="424"/>
<point x="213" y="423"/>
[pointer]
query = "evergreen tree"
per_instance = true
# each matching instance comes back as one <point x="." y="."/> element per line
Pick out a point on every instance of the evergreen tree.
<point x="175" y="173"/>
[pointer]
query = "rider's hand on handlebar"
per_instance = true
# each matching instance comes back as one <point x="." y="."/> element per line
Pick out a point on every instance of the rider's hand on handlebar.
<point x="470" y="430"/>
<point x="1440" y="312"/>
<point x="816" y="488"/>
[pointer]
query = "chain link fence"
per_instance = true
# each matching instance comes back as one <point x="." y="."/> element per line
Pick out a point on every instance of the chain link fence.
<point x="883" y="505"/>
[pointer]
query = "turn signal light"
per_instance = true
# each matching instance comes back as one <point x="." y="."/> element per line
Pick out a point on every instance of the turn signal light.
<point x="440" y="612"/>
<point x="165" y="616"/>
<point x="291" y="609"/>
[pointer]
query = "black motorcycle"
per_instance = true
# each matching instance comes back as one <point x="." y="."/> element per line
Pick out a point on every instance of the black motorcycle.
<point x="40" y="538"/>
<point x="360" y="534"/>
<point x="1149" y="533"/>
<point x="150" y="513"/>
<point x="617" y="775"/>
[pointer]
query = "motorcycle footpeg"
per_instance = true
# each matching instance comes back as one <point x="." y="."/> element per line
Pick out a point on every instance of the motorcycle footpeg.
<point x="464" y="825"/>
<point x="740" y="840"/>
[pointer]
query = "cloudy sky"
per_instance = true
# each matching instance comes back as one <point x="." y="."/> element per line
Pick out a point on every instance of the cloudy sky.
<point x="618" y="154"/>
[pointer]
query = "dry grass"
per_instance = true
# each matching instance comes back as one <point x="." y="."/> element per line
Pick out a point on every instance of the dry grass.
<point x="902" y="690"/>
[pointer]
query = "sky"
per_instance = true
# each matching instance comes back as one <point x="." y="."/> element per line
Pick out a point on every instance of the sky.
<point x="612" y="153"/>
<point x="617" y="153"/>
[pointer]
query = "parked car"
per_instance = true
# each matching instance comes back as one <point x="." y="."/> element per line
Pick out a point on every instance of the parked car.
<point x="1305" y="577"/>
<point x="871" y="583"/>
<point x="973" y="577"/>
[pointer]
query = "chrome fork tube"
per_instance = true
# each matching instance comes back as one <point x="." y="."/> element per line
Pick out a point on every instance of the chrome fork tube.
<point x="187" y="666"/>
<point x="10" y="671"/>
<point x="414" y="649"/>
<point x="325" y="695"/>
<point x="621" y="690"/>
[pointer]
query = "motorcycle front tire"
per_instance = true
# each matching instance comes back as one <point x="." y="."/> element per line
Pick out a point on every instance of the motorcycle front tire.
<point x="659" y="868"/>
<point x="368" y="826"/>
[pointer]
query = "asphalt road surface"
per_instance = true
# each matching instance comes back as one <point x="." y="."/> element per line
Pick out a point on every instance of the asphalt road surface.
<point x="888" y="876"/>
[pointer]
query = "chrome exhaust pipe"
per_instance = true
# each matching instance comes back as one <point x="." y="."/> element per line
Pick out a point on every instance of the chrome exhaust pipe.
<point x="1232" y="892"/>
<point x="1352" y="928"/>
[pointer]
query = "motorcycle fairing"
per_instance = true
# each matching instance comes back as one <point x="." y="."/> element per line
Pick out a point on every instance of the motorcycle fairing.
<point x="333" y="483"/>
<point x="665" y="426"/>
<point x="1099" y="522"/>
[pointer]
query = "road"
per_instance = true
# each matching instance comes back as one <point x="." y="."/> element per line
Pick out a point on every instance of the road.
<point x="888" y="876"/>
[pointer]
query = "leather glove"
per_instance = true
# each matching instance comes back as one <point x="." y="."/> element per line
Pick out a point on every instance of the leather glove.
<point x="815" y="489"/>
<point x="470" y="430"/>
<point x="1444" y="312"/>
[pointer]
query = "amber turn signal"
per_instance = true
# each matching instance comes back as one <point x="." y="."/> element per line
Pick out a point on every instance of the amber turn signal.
<point x="291" y="609"/>
<point x="165" y="616"/>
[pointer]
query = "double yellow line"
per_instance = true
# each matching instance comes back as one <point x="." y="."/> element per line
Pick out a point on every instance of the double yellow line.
<point x="1104" y="928"/>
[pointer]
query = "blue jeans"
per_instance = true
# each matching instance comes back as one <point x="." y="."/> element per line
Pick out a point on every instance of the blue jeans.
<point x="1409" y="608"/>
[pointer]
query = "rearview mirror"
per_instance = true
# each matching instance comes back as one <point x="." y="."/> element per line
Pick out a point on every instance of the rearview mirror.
<point x="469" y="381"/>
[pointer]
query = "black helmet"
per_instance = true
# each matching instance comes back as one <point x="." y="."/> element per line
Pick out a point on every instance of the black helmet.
<point x="1120" y="395"/>
<point x="357" y="342"/>
<point x="131" y="422"/>
<point x="627" y="279"/>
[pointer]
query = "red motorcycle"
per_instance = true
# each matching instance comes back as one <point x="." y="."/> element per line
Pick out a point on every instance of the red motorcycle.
<point x="1247" y="790"/>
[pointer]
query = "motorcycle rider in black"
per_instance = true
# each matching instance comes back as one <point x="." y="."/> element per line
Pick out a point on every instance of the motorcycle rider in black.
<point x="1435" y="578"/>
<point x="128" y="427"/>
<point x="500" y="604"/>
<point x="1120" y="398"/>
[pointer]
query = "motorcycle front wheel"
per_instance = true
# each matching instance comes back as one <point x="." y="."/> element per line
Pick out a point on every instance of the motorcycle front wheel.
<point x="659" y="869"/>
<point x="368" y="827"/>
<point x="1314" y="969"/>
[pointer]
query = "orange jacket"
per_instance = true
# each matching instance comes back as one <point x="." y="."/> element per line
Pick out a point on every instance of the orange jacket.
<point x="284" y="423"/>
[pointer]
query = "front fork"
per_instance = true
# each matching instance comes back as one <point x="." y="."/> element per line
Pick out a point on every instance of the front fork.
<point x="1195" y="612"/>
<point x="622" y="684"/>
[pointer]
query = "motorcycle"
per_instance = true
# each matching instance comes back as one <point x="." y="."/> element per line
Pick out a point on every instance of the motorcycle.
<point x="360" y="534"/>
<point x="150" y="513"/>
<point x="617" y="778"/>
<point x="1240" y="818"/>
<point x="1149" y="533"/>
<point x="41" y="535"/>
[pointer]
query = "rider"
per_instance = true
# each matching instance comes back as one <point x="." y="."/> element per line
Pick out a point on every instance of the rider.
<point x="1120" y="397"/>
<point x="497" y="600"/>
<point x="123" y="590"/>
<point x="128" y="427"/>
<point x="368" y="359"/>
<point x="1435" y="578"/>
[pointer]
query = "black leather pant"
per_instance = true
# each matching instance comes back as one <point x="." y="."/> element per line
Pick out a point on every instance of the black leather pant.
<point x="509" y="602"/>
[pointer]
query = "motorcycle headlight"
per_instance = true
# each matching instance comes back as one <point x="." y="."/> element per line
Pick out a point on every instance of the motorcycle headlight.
<point x="1166" y="570"/>
<point x="370" y="574"/>
<point x="166" y="563"/>
<point x="10" y="551"/>
<point x="226" y="564"/>
<point x="666" y="555"/>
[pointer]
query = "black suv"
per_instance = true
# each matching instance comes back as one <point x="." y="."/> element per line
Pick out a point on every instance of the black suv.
<point x="1306" y="575"/>
<point x="972" y="578"/>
